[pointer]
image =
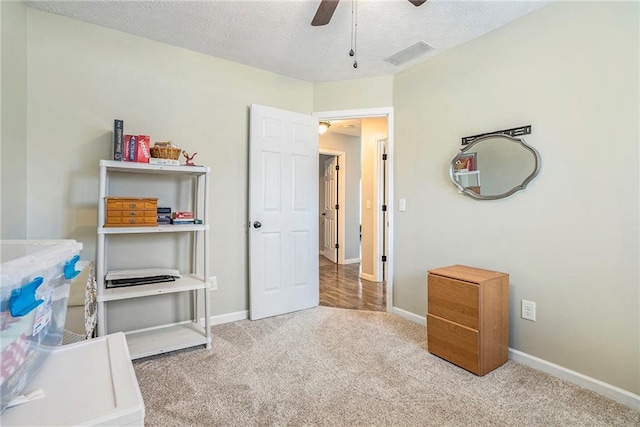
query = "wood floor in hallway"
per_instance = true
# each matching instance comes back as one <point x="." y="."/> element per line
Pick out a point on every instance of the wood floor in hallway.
<point x="341" y="286"/>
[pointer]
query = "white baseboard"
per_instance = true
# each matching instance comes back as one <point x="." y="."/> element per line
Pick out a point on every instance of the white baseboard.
<point x="368" y="277"/>
<point x="607" y="390"/>
<point x="612" y="392"/>
<point x="221" y="319"/>
<point x="409" y="316"/>
<point x="351" y="261"/>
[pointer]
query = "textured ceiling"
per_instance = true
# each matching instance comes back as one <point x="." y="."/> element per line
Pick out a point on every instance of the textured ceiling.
<point x="351" y="127"/>
<point x="277" y="35"/>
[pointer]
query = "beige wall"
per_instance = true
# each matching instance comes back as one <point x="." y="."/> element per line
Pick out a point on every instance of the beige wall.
<point x="352" y="94"/>
<point x="82" y="76"/>
<point x="570" y="241"/>
<point x="14" y="120"/>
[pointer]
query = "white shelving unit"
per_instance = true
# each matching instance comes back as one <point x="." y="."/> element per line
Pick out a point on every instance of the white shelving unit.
<point x="164" y="338"/>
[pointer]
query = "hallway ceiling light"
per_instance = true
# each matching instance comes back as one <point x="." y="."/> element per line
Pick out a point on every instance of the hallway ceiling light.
<point x="323" y="127"/>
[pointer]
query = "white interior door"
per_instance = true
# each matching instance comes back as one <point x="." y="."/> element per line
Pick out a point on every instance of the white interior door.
<point x="283" y="209"/>
<point x="329" y="213"/>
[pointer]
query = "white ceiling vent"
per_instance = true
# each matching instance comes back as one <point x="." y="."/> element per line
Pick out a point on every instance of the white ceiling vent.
<point x="409" y="54"/>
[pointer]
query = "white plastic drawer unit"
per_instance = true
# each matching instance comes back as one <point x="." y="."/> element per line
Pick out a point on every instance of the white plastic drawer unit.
<point x="35" y="278"/>
<point x="90" y="383"/>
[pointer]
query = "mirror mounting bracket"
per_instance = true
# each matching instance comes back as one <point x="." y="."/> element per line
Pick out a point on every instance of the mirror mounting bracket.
<point x="519" y="131"/>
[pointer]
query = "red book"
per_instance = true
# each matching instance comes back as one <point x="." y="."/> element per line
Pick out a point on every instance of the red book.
<point x="130" y="148"/>
<point x="143" y="153"/>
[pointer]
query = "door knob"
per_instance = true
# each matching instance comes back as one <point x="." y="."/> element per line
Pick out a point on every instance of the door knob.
<point x="257" y="224"/>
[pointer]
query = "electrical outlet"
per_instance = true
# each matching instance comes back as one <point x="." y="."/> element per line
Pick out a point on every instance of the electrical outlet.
<point x="529" y="310"/>
<point x="213" y="283"/>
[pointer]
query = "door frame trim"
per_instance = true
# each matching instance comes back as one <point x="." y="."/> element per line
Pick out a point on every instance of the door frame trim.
<point x="367" y="113"/>
<point x="380" y="231"/>
<point x="342" y="161"/>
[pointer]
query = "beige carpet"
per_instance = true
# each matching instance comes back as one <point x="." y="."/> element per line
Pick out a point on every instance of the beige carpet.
<point x="335" y="367"/>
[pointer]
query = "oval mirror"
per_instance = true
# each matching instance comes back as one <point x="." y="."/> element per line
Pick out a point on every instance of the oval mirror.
<point x="494" y="166"/>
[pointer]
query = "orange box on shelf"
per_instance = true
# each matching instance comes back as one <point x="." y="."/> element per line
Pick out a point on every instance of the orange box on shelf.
<point x="131" y="212"/>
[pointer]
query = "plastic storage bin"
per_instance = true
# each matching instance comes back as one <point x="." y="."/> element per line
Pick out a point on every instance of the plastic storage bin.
<point x="35" y="279"/>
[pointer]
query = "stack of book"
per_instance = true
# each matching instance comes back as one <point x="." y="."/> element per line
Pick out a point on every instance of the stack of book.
<point x="182" y="218"/>
<point x="164" y="216"/>
<point x="136" y="148"/>
<point x="130" y="148"/>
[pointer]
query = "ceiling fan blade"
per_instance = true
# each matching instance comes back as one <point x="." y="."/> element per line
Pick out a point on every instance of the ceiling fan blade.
<point x="417" y="3"/>
<point x="324" y="12"/>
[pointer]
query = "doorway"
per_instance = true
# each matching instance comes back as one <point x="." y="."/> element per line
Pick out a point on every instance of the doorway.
<point x="374" y="215"/>
<point x="332" y="194"/>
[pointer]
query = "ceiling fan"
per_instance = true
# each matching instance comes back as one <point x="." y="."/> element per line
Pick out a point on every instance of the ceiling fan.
<point x="327" y="7"/>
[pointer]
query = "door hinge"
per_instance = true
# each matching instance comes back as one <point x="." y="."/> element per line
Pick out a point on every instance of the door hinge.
<point x="337" y="167"/>
<point x="337" y="207"/>
<point x="384" y="156"/>
<point x="384" y="258"/>
<point x="337" y="245"/>
<point x="384" y="208"/>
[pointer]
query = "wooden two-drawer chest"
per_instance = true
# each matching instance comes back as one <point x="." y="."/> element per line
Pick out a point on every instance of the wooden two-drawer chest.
<point x="468" y="317"/>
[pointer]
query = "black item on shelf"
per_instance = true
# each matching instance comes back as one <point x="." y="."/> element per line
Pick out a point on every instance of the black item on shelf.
<point x="139" y="281"/>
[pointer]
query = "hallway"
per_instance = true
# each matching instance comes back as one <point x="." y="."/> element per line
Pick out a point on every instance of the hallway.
<point x="341" y="287"/>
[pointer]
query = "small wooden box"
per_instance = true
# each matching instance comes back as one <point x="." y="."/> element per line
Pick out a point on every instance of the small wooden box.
<point x="131" y="212"/>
